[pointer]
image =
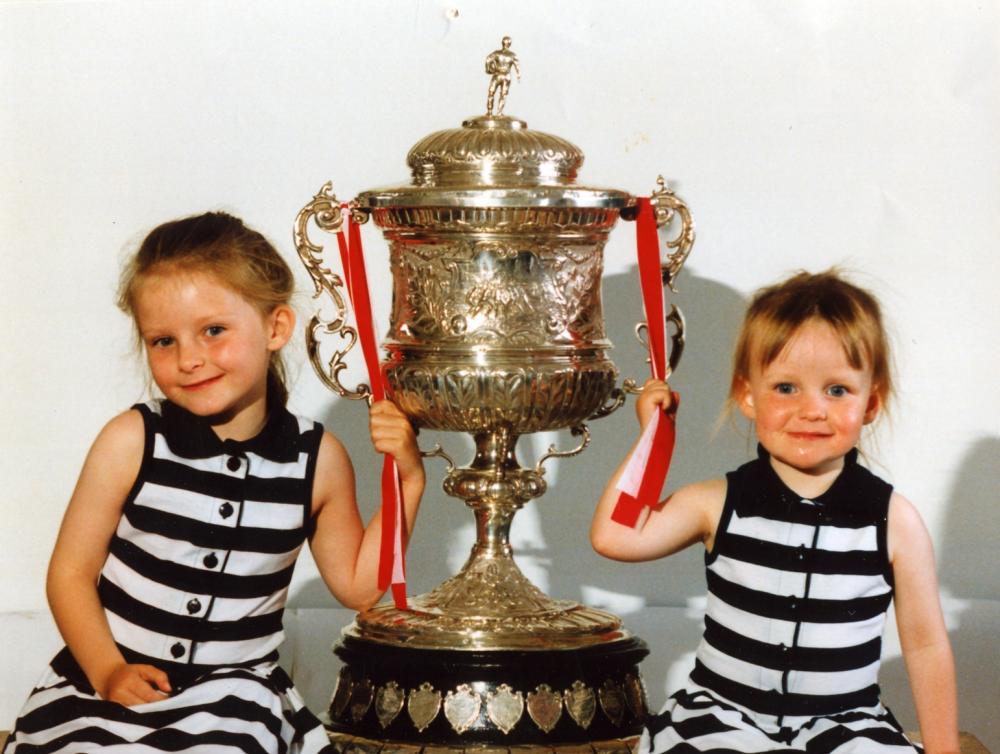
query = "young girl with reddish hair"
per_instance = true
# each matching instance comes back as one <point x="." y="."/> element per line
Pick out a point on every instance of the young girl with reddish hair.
<point x="805" y="548"/>
<point x="170" y="572"/>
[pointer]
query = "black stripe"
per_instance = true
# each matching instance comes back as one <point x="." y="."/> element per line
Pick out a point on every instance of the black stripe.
<point x="201" y="534"/>
<point x="803" y="559"/>
<point x="177" y="740"/>
<point x="779" y="657"/>
<point x="775" y="703"/>
<point x="832" y="739"/>
<point x="706" y="722"/>
<point x="215" y="484"/>
<point x="89" y="735"/>
<point x="163" y="738"/>
<point x="198" y="580"/>
<point x="796" y="609"/>
<point x="153" y="618"/>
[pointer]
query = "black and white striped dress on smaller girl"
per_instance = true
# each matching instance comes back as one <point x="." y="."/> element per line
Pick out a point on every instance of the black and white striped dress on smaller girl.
<point x="195" y="584"/>
<point x="797" y="597"/>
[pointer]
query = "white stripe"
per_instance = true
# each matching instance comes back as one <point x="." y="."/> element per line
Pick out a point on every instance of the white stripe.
<point x="840" y="539"/>
<point x="241" y="563"/>
<point x="185" y="503"/>
<point x="835" y="635"/>
<point x="262" y="468"/>
<point x="836" y="586"/>
<point x="831" y="538"/>
<point x="769" y="530"/>
<point x="839" y="682"/>
<point x="846" y="586"/>
<point x="760" y="578"/>
<point x="287" y="516"/>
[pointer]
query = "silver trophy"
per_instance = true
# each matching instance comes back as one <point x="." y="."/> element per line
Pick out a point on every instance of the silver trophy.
<point x="496" y="330"/>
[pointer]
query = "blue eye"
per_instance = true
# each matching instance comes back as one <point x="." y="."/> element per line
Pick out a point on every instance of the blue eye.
<point x="837" y="391"/>
<point x="162" y="342"/>
<point x="785" y="388"/>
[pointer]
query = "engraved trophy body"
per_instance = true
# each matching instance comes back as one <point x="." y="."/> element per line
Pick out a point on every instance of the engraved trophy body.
<point x="496" y="330"/>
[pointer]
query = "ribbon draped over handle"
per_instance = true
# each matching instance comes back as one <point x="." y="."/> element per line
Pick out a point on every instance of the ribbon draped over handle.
<point x="332" y="217"/>
<point x="642" y="479"/>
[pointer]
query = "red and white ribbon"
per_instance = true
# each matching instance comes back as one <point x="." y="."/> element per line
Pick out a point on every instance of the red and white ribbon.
<point x="392" y="563"/>
<point x="642" y="479"/>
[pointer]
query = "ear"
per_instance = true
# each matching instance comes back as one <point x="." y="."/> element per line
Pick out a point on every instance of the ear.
<point x="874" y="405"/>
<point x="280" y="325"/>
<point x="744" y="399"/>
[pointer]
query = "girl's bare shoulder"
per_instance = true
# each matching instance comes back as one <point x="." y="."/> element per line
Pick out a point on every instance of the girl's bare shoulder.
<point x="710" y="493"/>
<point x="124" y="436"/>
<point x="707" y="498"/>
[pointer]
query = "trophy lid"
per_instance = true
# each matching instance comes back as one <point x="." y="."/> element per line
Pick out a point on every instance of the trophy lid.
<point x="494" y="160"/>
<point x="493" y="152"/>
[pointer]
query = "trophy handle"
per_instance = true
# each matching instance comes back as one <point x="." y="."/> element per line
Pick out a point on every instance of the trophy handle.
<point x="577" y="431"/>
<point x="666" y="204"/>
<point x="616" y="399"/>
<point x="438" y="452"/>
<point x="325" y="209"/>
<point x="676" y="318"/>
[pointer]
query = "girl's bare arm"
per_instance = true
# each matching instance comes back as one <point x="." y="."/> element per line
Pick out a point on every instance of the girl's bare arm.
<point x="346" y="551"/>
<point x="922" y="632"/>
<point x="689" y="515"/>
<point x="81" y="548"/>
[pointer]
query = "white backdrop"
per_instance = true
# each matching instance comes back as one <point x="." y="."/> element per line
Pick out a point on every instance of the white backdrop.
<point x="801" y="134"/>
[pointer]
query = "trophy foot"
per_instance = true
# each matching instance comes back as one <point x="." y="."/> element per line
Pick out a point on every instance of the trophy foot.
<point x="489" y="605"/>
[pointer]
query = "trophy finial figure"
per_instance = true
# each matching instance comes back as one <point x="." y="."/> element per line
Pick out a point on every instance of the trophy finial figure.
<point x="499" y="64"/>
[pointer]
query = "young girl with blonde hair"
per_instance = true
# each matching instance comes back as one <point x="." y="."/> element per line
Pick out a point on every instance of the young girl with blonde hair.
<point x="805" y="549"/>
<point x="172" y="566"/>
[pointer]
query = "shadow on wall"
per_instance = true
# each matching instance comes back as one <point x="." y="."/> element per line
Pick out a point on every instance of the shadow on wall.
<point x="551" y="536"/>
<point x="967" y="552"/>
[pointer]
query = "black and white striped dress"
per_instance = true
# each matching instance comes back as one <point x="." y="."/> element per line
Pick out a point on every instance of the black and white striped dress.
<point x="797" y="597"/>
<point x="195" y="584"/>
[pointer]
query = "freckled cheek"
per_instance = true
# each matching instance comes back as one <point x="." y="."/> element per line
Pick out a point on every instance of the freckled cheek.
<point x="158" y="363"/>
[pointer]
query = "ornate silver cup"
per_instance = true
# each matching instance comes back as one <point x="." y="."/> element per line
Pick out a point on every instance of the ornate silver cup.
<point x="496" y="330"/>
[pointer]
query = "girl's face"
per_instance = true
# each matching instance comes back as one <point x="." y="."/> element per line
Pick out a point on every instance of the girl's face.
<point x="209" y="348"/>
<point x="809" y="404"/>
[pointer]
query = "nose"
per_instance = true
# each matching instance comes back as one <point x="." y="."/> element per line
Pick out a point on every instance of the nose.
<point x="189" y="357"/>
<point x="813" y="407"/>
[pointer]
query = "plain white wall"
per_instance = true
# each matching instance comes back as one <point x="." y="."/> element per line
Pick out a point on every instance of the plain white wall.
<point x="801" y="134"/>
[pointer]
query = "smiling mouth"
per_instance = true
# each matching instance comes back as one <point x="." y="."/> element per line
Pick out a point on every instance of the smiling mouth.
<point x="809" y="435"/>
<point x="202" y="384"/>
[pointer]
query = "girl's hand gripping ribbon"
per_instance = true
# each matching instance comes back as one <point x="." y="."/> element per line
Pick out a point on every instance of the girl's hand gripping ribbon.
<point x="392" y="565"/>
<point x="642" y="480"/>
